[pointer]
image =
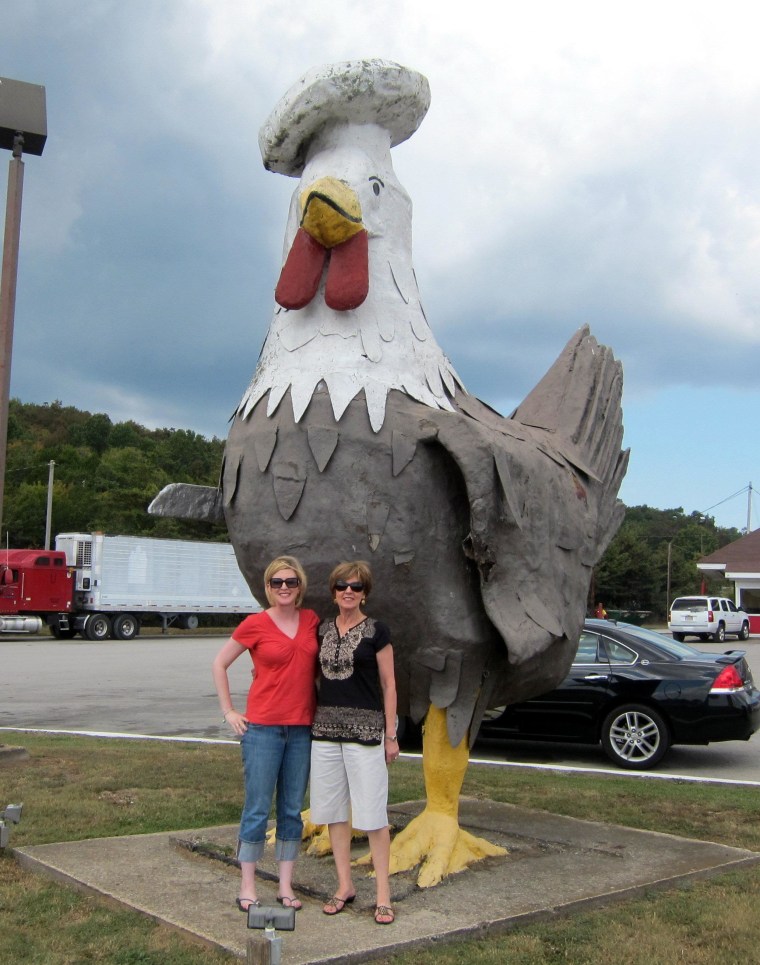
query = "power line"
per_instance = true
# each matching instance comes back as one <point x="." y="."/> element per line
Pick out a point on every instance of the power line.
<point x="741" y="492"/>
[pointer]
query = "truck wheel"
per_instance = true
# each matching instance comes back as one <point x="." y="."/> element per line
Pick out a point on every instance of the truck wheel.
<point x="678" y="636"/>
<point x="189" y="621"/>
<point x="98" y="627"/>
<point x="744" y="632"/>
<point x="720" y="634"/>
<point x="125" y="626"/>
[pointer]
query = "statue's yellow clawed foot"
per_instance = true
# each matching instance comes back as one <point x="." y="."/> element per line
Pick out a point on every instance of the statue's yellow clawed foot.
<point x="436" y="841"/>
<point x="434" y="838"/>
<point x="315" y="835"/>
<point x="318" y="837"/>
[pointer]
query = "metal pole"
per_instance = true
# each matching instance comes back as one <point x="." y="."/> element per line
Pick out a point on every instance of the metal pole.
<point x="667" y="592"/>
<point x="49" y="514"/>
<point x="8" y="295"/>
<point x="749" y="509"/>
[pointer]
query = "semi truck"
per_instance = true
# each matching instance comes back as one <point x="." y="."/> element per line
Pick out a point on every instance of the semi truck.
<point x="105" y="586"/>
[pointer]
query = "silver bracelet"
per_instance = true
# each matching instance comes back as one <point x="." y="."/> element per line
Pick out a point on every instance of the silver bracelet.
<point x="392" y="737"/>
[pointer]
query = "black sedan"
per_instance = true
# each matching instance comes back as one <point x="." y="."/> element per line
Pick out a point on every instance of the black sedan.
<point x="638" y="692"/>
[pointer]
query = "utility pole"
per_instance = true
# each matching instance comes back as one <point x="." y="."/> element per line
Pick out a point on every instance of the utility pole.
<point x="49" y="514"/>
<point x="749" y="509"/>
<point x="667" y="591"/>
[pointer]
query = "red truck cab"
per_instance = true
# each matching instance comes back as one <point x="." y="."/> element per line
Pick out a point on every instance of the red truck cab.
<point x="35" y="582"/>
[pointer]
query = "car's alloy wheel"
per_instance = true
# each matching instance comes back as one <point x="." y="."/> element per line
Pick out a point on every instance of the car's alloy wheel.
<point x="720" y="634"/>
<point x="744" y="634"/>
<point x="635" y="736"/>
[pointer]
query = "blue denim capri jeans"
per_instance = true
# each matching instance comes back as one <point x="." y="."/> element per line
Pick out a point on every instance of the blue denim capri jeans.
<point x="275" y="759"/>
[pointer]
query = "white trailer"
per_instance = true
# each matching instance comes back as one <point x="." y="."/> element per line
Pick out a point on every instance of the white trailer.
<point x="120" y="579"/>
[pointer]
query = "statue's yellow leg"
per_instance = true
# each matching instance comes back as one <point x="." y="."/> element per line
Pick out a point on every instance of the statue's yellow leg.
<point x="434" y="838"/>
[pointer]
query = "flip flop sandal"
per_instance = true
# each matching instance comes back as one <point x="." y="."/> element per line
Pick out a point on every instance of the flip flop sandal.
<point x="287" y="902"/>
<point x="250" y="903"/>
<point x="383" y="911"/>
<point x="337" y="904"/>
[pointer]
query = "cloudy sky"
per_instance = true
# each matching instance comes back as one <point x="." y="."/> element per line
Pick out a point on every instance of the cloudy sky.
<point x="580" y="163"/>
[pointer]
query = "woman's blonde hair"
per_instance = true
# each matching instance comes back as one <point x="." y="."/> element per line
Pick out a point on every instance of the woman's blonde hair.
<point x="344" y="571"/>
<point x="285" y="563"/>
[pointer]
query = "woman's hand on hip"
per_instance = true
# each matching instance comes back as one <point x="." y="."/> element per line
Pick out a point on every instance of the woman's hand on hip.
<point x="237" y="722"/>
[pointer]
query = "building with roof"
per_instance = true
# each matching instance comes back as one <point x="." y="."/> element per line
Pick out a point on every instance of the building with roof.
<point x="739" y="562"/>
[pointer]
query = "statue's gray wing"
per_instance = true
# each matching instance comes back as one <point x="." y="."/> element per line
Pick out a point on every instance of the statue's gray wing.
<point x="185" y="501"/>
<point x="542" y="489"/>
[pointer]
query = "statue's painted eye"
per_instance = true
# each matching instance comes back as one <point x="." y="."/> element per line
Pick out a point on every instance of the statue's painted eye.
<point x="376" y="185"/>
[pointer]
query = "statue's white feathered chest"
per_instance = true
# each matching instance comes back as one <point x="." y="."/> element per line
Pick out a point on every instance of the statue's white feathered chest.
<point x="385" y="343"/>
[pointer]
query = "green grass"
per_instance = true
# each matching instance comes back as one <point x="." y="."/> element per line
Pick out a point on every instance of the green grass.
<point x="75" y="787"/>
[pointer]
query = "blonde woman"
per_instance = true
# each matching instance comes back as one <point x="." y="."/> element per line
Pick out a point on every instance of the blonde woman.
<point x="275" y="729"/>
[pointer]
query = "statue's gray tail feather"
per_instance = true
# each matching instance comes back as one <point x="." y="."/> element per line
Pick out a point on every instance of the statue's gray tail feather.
<point x="578" y="401"/>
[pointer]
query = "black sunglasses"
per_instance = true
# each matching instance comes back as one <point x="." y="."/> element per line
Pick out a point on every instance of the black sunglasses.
<point x="290" y="581"/>
<point x="357" y="587"/>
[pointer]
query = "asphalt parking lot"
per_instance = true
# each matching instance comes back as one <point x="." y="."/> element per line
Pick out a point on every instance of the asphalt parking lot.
<point x="162" y="687"/>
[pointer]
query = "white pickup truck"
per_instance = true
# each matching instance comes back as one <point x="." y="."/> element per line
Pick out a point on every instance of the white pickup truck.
<point x="707" y="617"/>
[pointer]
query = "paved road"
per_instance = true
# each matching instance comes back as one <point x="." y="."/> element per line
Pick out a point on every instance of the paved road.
<point x="163" y="687"/>
<point x="143" y="686"/>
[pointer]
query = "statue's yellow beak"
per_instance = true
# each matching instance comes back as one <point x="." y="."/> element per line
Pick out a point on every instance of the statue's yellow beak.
<point x="330" y="212"/>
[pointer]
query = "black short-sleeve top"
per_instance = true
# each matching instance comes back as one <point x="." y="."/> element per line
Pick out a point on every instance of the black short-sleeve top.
<point x="350" y="700"/>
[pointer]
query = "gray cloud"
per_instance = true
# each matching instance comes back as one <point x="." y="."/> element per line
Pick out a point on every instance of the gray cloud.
<point x="574" y="168"/>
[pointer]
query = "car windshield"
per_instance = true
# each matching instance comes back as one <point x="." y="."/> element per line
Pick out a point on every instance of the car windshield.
<point x="681" y="651"/>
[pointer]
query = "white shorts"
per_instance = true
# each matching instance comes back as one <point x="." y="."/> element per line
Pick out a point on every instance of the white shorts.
<point x="349" y="782"/>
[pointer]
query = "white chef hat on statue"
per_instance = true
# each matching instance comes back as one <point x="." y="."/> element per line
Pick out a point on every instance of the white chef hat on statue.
<point x="374" y="91"/>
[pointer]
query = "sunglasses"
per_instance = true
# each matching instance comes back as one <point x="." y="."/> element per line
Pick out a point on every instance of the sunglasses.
<point x="290" y="581"/>
<point x="357" y="587"/>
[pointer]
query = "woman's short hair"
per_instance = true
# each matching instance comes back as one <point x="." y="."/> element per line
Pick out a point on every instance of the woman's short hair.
<point x="344" y="571"/>
<point x="285" y="563"/>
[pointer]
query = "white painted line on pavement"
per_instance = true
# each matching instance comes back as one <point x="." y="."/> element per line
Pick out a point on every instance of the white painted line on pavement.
<point x="117" y="736"/>
<point x="564" y="768"/>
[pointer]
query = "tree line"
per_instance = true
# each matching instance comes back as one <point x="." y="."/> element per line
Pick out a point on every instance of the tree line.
<point x="104" y="477"/>
<point x="106" y="474"/>
<point x="633" y="573"/>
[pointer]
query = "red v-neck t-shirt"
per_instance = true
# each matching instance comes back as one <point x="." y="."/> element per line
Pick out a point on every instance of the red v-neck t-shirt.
<point x="283" y="691"/>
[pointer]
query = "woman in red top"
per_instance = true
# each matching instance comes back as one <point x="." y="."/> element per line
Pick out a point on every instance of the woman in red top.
<point x="275" y="730"/>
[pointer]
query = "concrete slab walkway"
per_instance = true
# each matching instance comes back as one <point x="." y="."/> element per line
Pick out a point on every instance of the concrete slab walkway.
<point x="556" y="865"/>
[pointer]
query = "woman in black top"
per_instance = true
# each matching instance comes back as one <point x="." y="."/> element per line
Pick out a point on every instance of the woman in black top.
<point x="354" y="735"/>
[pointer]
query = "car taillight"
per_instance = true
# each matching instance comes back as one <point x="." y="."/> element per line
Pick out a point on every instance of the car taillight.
<point x="710" y="616"/>
<point x="727" y="681"/>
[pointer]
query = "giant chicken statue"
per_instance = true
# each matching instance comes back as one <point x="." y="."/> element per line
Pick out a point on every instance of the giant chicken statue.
<point x="357" y="439"/>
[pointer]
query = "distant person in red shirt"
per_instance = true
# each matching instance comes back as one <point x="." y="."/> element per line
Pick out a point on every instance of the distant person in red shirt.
<point x="600" y="613"/>
<point x="275" y="730"/>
